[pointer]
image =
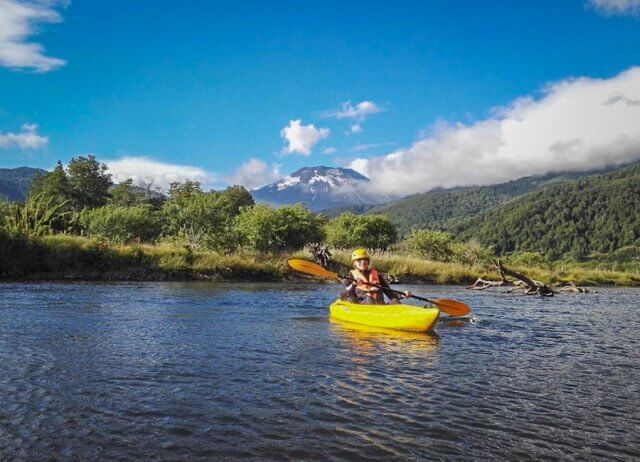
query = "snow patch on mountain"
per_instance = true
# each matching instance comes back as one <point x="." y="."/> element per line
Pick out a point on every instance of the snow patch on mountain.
<point x="319" y="188"/>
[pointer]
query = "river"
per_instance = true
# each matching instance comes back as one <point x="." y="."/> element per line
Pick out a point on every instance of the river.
<point x="196" y="371"/>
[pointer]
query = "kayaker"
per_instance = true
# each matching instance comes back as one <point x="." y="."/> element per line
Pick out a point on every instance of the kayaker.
<point x="361" y="291"/>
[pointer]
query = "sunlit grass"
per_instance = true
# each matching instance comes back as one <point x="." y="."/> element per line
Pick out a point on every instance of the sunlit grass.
<point x="73" y="257"/>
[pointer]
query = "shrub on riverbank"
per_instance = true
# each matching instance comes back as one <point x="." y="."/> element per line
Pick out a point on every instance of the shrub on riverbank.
<point x="122" y="224"/>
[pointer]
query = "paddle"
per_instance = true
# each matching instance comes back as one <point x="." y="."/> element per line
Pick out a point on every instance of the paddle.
<point x="451" y="307"/>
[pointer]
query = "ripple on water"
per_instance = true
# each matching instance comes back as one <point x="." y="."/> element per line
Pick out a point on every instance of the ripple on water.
<point x="200" y="371"/>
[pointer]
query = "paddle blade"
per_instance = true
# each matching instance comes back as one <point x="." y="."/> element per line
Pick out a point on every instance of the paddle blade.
<point x="307" y="267"/>
<point x="451" y="307"/>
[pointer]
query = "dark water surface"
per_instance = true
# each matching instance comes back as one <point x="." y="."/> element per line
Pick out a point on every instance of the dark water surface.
<point x="188" y="371"/>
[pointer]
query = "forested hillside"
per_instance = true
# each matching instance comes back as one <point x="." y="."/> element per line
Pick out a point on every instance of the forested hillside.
<point x="451" y="208"/>
<point x="599" y="213"/>
<point x="15" y="182"/>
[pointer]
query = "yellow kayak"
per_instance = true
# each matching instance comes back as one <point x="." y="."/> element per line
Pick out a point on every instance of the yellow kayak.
<point x="401" y="317"/>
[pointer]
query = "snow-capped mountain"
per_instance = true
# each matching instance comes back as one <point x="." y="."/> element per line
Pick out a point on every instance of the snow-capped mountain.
<point x="319" y="188"/>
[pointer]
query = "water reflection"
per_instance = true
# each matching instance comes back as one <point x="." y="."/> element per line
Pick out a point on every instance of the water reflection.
<point x="174" y="371"/>
<point x="369" y="338"/>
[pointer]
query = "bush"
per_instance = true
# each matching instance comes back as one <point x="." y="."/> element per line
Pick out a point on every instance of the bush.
<point x="121" y="224"/>
<point x="371" y="231"/>
<point x="473" y="253"/>
<point x="266" y="229"/>
<point x="204" y="219"/>
<point x="430" y="244"/>
<point x="535" y="259"/>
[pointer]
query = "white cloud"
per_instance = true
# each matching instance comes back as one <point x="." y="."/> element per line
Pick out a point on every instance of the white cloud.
<point x="358" y="112"/>
<point x="302" y="138"/>
<point x="576" y="125"/>
<point x="253" y="174"/>
<point x="616" y="7"/>
<point x="18" y="22"/>
<point x="27" y="138"/>
<point x="360" y="165"/>
<point x="329" y="150"/>
<point x="143" y="170"/>
<point x="367" y="147"/>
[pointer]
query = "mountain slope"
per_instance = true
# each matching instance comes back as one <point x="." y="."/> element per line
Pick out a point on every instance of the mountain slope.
<point x="15" y="182"/>
<point x="600" y="213"/>
<point x="448" y="209"/>
<point x="317" y="187"/>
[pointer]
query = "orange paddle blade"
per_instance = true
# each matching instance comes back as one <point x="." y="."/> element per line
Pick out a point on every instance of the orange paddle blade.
<point x="451" y="307"/>
<point x="307" y="267"/>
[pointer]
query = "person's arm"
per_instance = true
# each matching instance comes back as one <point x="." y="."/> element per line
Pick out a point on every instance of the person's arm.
<point x="349" y="292"/>
<point x="391" y="295"/>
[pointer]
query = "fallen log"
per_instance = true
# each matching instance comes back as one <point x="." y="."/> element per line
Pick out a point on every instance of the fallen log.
<point x="531" y="286"/>
<point x="526" y="284"/>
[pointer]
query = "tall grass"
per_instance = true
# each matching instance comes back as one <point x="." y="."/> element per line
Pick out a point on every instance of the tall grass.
<point x="71" y="257"/>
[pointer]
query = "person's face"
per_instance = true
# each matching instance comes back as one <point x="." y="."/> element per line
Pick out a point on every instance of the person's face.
<point x="362" y="264"/>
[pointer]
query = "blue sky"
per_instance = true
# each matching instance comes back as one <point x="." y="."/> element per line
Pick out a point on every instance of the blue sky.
<point x="212" y="85"/>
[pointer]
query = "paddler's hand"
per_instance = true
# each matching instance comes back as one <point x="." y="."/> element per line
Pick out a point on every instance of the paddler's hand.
<point x="406" y="294"/>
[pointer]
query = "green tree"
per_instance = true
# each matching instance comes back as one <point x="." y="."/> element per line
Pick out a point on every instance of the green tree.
<point x="122" y="223"/>
<point x="123" y="194"/>
<point x="89" y="182"/>
<point x="430" y="244"/>
<point x="267" y="229"/>
<point x="203" y="219"/>
<point x="53" y="184"/>
<point x="236" y="197"/>
<point x="371" y="231"/>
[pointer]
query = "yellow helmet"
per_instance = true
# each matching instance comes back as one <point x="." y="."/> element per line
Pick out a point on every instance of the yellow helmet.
<point x="359" y="254"/>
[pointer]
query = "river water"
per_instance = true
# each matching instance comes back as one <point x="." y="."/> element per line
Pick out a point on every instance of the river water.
<point x="194" y="371"/>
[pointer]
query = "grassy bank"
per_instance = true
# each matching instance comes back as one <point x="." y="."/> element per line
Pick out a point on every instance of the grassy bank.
<point x="63" y="257"/>
<point x="407" y="268"/>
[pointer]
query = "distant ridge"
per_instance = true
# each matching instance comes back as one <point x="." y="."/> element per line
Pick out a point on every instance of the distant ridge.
<point x="450" y="209"/>
<point x="15" y="182"/>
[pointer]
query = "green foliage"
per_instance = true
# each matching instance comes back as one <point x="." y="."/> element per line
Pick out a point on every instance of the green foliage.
<point x="54" y="184"/>
<point x="7" y="209"/>
<point x="37" y="216"/>
<point x="430" y="244"/>
<point x="451" y="208"/>
<point x="266" y="229"/>
<point x="122" y="224"/>
<point x="536" y="259"/>
<point x="371" y="231"/>
<point x="441" y="246"/>
<point x="473" y="253"/>
<point x="89" y="182"/>
<point x="596" y="214"/>
<point x="127" y="194"/>
<point x="123" y="194"/>
<point x="204" y="219"/>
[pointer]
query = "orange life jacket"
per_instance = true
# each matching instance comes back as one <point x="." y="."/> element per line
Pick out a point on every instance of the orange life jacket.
<point x="363" y="283"/>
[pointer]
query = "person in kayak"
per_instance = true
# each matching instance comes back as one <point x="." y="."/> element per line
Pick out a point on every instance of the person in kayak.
<point x="361" y="290"/>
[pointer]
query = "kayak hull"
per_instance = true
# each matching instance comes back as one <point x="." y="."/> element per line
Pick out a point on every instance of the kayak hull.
<point x="399" y="317"/>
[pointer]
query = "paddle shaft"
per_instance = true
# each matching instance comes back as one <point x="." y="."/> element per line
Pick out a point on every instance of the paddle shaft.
<point x="379" y="286"/>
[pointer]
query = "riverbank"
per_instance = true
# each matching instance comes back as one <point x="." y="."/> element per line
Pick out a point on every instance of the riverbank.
<point x="73" y="258"/>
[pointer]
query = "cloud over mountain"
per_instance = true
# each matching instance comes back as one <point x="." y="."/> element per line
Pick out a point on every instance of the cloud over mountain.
<point x="576" y="125"/>
<point x="253" y="174"/>
<point x="143" y="170"/>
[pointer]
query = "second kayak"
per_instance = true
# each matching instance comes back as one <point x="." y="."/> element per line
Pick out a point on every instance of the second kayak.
<point x="401" y="317"/>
